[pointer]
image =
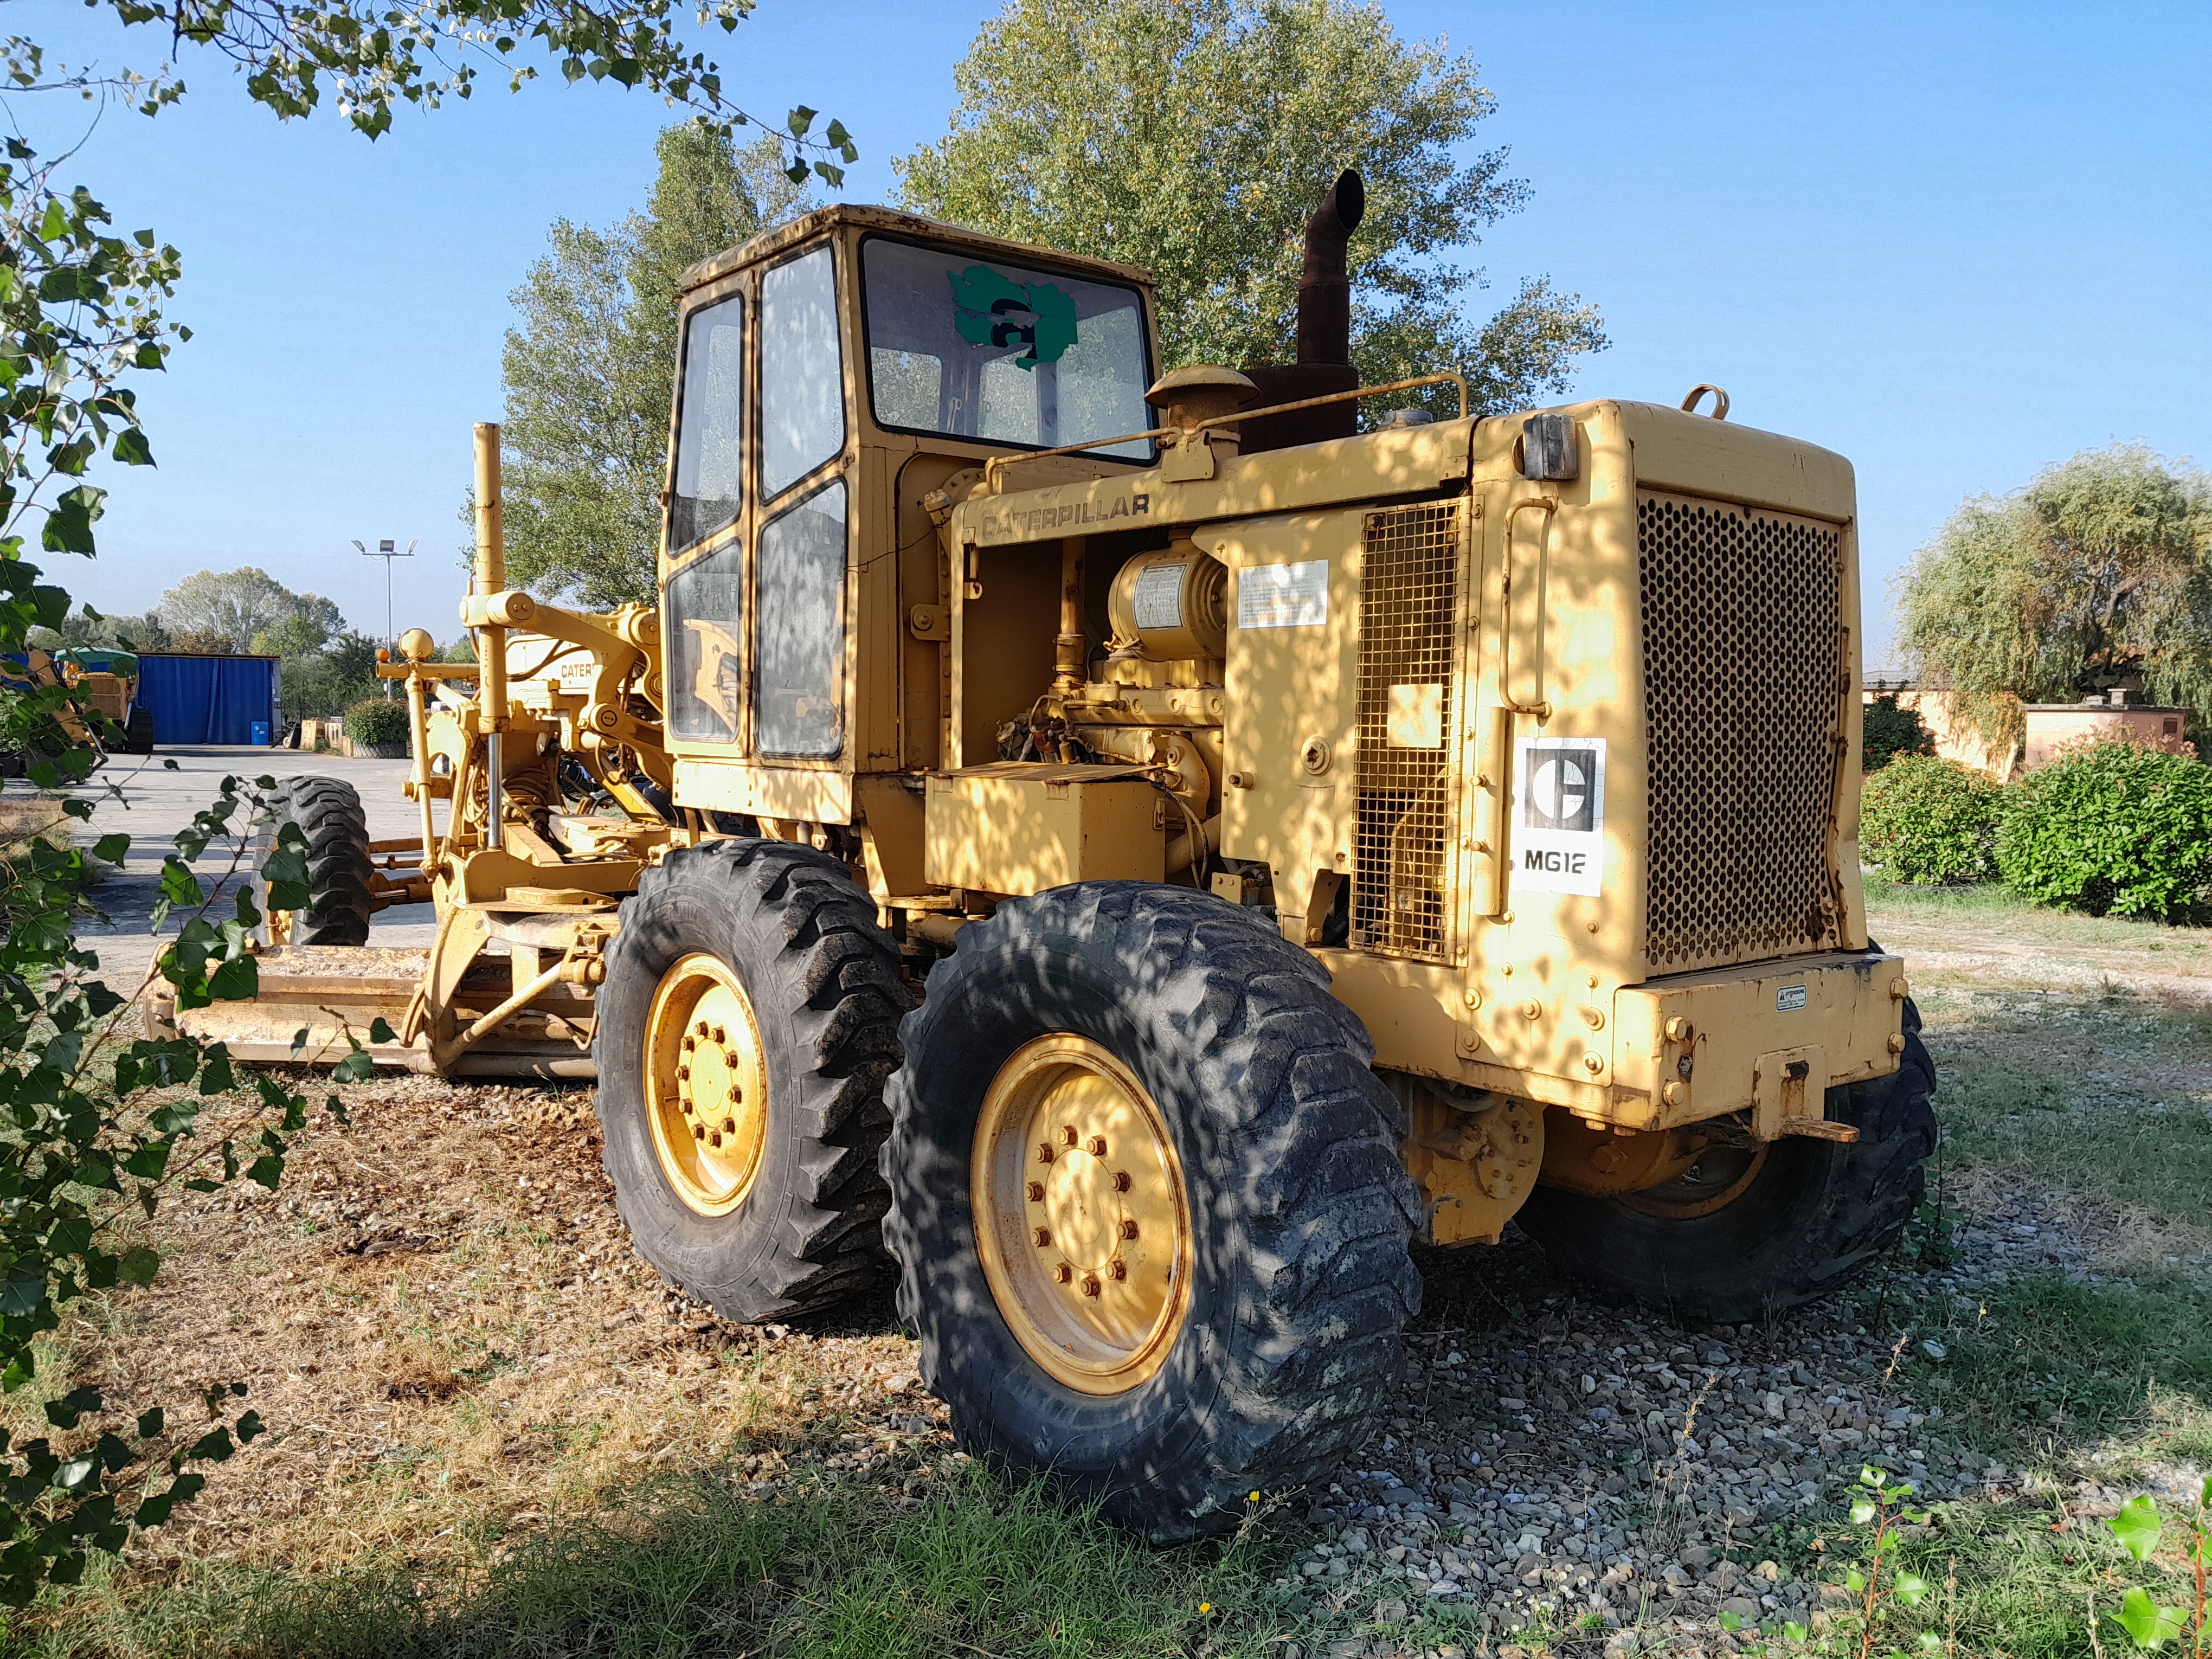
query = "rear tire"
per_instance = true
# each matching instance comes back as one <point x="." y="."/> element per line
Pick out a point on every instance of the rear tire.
<point x="1814" y="1213"/>
<point x="797" y="1230"/>
<point x="138" y="732"/>
<point x="1297" y="1208"/>
<point x="329" y="814"/>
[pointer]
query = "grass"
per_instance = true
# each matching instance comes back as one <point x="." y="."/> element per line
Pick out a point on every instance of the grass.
<point x="2075" y="1060"/>
<point x="683" y="1566"/>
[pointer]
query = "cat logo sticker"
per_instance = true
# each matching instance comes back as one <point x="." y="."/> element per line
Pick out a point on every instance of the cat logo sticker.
<point x="1559" y="815"/>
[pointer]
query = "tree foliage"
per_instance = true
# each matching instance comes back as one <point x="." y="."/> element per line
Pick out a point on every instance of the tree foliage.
<point x="1890" y="731"/>
<point x="590" y="367"/>
<point x="1194" y="138"/>
<point x="2098" y="573"/>
<point x="238" y="608"/>
<point x="372" y="55"/>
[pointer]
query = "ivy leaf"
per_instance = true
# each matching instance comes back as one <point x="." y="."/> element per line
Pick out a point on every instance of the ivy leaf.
<point x="216" y="1076"/>
<point x="68" y="523"/>
<point x="356" y="1067"/>
<point x="379" y="1030"/>
<point x="801" y="120"/>
<point x="151" y="1422"/>
<point x="2138" y="1526"/>
<point x="1912" y="1589"/>
<point x="139" y="1267"/>
<point x="2151" y="1626"/>
<point x="131" y="448"/>
<point x="1862" y="1512"/>
<point x="236" y="980"/>
<point x="64" y="1412"/>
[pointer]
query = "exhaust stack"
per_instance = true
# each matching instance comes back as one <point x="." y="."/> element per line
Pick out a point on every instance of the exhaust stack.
<point x="1325" y="286"/>
<point x="1324" y="361"/>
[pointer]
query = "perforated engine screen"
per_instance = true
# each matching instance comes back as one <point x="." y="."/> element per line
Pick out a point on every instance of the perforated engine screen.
<point x="1743" y="699"/>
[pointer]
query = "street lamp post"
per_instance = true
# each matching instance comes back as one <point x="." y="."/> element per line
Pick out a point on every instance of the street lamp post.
<point x="387" y="551"/>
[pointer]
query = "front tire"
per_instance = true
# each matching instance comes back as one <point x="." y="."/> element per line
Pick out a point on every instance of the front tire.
<point x="1247" y="1183"/>
<point x="748" y="1017"/>
<point x="1790" y="1228"/>
<point x="329" y="814"/>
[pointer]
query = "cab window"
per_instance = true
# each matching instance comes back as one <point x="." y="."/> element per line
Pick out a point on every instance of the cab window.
<point x="802" y="371"/>
<point x="978" y="349"/>
<point x="799" y="676"/>
<point x="709" y="489"/>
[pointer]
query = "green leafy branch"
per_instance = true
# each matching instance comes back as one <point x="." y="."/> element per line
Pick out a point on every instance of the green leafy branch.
<point x="374" y="54"/>
<point x="2139" y="1527"/>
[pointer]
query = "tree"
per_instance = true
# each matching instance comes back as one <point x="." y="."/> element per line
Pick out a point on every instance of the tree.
<point x="237" y="607"/>
<point x="590" y="370"/>
<point x="1193" y="139"/>
<point x="2098" y="574"/>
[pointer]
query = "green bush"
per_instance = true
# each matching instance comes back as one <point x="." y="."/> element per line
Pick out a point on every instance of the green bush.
<point x="376" y="720"/>
<point x="2113" y="829"/>
<point x="1928" y="821"/>
<point x="1891" y="732"/>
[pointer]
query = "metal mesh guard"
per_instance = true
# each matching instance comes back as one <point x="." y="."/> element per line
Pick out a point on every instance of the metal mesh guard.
<point x="1408" y="652"/>
<point x="1743" y="680"/>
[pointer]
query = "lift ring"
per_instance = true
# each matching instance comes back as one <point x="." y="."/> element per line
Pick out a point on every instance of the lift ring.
<point x="1720" y="401"/>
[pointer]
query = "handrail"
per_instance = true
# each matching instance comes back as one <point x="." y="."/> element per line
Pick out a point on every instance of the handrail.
<point x="991" y="466"/>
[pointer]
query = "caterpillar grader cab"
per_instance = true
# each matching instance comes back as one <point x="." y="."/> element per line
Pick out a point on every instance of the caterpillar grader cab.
<point x="1143" y="852"/>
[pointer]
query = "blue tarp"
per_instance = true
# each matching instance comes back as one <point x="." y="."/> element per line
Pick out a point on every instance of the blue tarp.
<point x="207" y="699"/>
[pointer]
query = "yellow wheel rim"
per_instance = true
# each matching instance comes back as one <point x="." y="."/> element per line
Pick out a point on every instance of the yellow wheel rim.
<point x="1080" y="1216"/>
<point x="706" y="1085"/>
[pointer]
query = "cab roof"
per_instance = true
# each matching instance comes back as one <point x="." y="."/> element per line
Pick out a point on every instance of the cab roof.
<point x="805" y="228"/>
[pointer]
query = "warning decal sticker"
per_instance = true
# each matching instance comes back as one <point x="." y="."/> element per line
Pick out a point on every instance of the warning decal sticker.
<point x="1283" y="595"/>
<point x="1559" y="815"/>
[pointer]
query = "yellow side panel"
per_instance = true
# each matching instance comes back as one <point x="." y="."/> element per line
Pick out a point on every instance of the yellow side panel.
<point x="1015" y="828"/>
<point x="1293" y="685"/>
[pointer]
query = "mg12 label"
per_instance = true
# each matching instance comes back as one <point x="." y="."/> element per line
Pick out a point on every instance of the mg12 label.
<point x="1559" y="815"/>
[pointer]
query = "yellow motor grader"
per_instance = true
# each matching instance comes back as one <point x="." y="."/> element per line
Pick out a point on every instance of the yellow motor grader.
<point x="1132" y="855"/>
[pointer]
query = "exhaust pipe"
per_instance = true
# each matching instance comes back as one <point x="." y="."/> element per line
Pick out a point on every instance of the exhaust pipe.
<point x="1325" y="286"/>
<point x="1324" y="361"/>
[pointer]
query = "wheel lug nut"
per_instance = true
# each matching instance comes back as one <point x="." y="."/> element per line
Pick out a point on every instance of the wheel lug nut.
<point x="1121" y="1181"/>
<point x="1097" y="1147"/>
<point x="698" y="1132"/>
<point x="1063" y="1273"/>
<point x="1037" y="1192"/>
<point x="737" y="1095"/>
<point x="689" y="1044"/>
<point x="1042" y="1235"/>
<point x="683" y="1074"/>
<point x="715" y="1140"/>
<point x="1090" y="1284"/>
<point x="1128" y="1230"/>
<point x="700" y="1029"/>
<point x="721" y="1036"/>
<point x="688" y="1107"/>
<point x="1044" y="1152"/>
<point x="1068" y="1136"/>
<point x="1117" y="1268"/>
<point x="730" y="1127"/>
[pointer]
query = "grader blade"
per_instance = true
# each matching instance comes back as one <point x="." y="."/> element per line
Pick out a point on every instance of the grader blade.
<point x="316" y="1000"/>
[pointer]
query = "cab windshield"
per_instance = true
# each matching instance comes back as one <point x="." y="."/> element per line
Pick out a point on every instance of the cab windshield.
<point x="1002" y="353"/>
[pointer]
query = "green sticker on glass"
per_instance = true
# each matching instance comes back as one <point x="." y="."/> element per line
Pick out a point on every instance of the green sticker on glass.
<point x="989" y="310"/>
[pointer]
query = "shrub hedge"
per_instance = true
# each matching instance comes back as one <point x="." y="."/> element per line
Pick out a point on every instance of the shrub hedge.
<point x="1928" y="821"/>
<point x="1889" y="731"/>
<point x="2112" y="829"/>
<point x="376" y="720"/>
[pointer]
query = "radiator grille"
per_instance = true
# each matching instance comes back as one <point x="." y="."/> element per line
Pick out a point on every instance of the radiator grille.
<point x="1743" y="679"/>
<point x="1408" y="649"/>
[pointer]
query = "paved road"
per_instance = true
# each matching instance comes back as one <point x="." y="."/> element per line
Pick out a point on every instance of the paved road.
<point x="142" y="798"/>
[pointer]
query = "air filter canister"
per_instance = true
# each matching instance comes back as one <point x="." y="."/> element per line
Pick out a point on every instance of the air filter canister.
<point x="1173" y="603"/>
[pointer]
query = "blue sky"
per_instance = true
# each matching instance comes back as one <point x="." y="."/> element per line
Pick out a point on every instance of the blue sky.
<point x="1955" y="243"/>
